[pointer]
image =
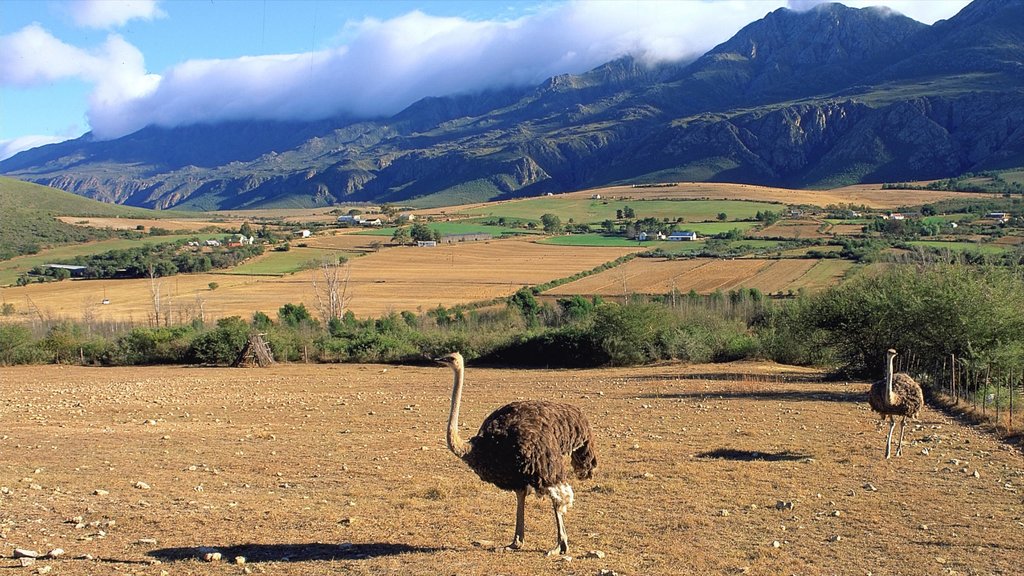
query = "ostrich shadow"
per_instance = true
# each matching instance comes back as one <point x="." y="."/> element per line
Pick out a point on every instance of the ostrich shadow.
<point x="752" y="455"/>
<point x="293" y="552"/>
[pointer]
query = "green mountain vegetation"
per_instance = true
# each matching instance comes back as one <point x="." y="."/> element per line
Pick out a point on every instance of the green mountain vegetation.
<point x="29" y="223"/>
<point x="820" y="98"/>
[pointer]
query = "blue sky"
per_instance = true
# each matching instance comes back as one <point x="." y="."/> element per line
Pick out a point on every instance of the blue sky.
<point x="115" y="66"/>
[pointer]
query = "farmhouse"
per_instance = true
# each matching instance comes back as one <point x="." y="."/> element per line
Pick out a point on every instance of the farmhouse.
<point x="301" y="233"/>
<point x="426" y="243"/>
<point x="212" y="243"/>
<point x="349" y="219"/>
<point x="998" y="216"/>
<point x="406" y="217"/>
<point x="679" y="236"/>
<point x="374" y="222"/>
<point x="471" y="237"/>
<point x="75" y="271"/>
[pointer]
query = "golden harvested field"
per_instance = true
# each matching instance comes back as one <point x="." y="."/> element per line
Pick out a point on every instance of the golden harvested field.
<point x="392" y="280"/>
<point x="132" y="223"/>
<point x="343" y="469"/>
<point x="705" y="275"/>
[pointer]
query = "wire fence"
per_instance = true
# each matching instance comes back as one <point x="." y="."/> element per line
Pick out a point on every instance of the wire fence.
<point x="988" y="392"/>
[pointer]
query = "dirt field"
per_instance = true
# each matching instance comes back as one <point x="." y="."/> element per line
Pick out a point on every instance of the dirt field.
<point x="132" y="223"/>
<point x="342" y="469"/>
<point x="396" y="279"/>
<point x="801" y="229"/>
<point x="705" y="275"/>
<point x="870" y="195"/>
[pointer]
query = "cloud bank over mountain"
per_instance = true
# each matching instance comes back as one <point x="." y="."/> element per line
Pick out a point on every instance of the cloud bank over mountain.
<point x="381" y="67"/>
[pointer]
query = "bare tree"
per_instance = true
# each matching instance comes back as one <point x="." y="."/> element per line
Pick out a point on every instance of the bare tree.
<point x="200" y="308"/>
<point x="154" y="291"/>
<point x="330" y="286"/>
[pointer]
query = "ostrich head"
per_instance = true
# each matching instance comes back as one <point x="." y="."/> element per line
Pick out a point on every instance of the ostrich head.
<point x="453" y="360"/>
<point x="890" y="353"/>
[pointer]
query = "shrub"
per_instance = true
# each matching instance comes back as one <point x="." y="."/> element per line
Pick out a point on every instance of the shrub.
<point x="221" y="345"/>
<point x="17" y="346"/>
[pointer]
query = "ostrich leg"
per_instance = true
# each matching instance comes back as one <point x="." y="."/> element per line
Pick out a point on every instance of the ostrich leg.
<point x="888" y="440"/>
<point x="903" y="426"/>
<point x="561" y="500"/>
<point x="517" y="540"/>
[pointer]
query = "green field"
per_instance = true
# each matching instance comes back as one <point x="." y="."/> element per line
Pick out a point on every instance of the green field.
<point x="588" y="211"/>
<point x="755" y="244"/>
<point x="446" y="228"/>
<point x="11" y="269"/>
<point x="685" y="247"/>
<point x="596" y="240"/>
<point x="962" y="246"/>
<point x="279" y="263"/>
<point x="712" y="228"/>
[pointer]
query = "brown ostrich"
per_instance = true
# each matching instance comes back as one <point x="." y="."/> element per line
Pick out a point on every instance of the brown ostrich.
<point x="895" y="395"/>
<point x="521" y="447"/>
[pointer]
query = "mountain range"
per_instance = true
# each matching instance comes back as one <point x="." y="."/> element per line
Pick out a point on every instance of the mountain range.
<point x="820" y="98"/>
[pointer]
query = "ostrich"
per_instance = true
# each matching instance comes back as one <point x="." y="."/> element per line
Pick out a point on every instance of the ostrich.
<point x="521" y="447"/>
<point x="895" y="395"/>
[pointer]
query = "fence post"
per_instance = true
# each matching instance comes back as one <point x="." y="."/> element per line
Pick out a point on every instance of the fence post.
<point x="952" y="376"/>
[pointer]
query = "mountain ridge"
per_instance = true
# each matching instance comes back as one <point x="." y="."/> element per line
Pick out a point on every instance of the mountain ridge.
<point x="830" y="96"/>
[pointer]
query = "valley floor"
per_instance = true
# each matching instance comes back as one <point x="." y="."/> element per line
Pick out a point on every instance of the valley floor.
<point x="343" y="469"/>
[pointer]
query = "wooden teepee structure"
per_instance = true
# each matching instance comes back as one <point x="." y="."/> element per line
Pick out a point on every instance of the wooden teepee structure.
<point x="256" y="352"/>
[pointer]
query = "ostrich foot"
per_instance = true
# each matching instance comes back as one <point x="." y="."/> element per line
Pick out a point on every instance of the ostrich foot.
<point x="515" y="545"/>
<point x="560" y="550"/>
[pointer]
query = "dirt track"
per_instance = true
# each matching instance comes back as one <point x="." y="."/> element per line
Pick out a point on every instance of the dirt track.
<point x="343" y="469"/>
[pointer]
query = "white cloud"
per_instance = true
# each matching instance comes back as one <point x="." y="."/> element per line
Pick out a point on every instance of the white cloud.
<point x="384" y="65"/>
<point x="388" y="64"/>
<point x="107" y="14"/>
<point x="11" y="147"/>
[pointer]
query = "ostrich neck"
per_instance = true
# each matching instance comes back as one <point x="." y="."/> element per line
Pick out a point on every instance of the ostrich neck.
<point x="889" y="396"/>
<point x="456" y="444"/>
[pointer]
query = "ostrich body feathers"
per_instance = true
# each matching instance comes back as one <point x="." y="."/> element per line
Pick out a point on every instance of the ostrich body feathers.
<point x="522" y="445"/>
<point x="908" y="397"/>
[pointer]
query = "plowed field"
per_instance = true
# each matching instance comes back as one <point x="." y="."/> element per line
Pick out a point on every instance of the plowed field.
<point x="343" y="469"/>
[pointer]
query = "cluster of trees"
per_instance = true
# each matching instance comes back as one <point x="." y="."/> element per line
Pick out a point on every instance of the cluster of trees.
<point x="153" y="260"/>
<point x="932" y="311"/>
<point x="418" y="232"/>
<point x="992" y="182"/>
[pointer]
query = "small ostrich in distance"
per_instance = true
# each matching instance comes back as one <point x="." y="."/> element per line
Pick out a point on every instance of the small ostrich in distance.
<point x="895" y="395"/>
<point x="521" y="447"/>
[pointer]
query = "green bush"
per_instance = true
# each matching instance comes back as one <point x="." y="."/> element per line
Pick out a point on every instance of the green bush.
<point x="222" y="345"/>
<point x="17" y="346"/>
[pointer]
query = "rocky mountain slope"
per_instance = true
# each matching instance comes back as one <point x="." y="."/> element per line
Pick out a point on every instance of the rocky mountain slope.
<point x="829" y="96"/>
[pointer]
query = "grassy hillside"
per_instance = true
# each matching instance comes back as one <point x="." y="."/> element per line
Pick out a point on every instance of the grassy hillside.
<point x="28" y="223"/>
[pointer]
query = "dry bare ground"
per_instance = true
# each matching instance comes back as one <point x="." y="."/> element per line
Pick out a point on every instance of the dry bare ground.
<point x="392" y="280"/>
<point x="723" y="469"/>
<point x="132" y="223"/>
<point x="793" y="229"/>
<point x="870" y="195"/>
<point x="705" y="275"/>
